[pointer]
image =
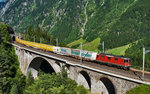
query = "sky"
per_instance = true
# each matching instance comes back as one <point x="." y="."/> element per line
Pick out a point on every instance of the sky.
<point x="0" y="0"/>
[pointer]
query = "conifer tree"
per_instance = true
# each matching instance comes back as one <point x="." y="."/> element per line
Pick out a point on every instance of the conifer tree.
<point x="14" y="89"/>
<point x="29" y="79"/>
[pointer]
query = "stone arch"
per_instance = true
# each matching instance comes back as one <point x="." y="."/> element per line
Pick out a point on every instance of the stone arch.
<point x="41" y="63"/>
<point x="84" y="79"/>
<point x="108" y="85"/>
<point x="67" y="67"/>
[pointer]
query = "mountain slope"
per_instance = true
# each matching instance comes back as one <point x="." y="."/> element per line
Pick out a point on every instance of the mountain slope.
<point x="68" y="19"/>
<point x="116" y="22"/>
<point x="2" y="4"/>
<point x="132" y="25"/>
<point x="59" y="17"/>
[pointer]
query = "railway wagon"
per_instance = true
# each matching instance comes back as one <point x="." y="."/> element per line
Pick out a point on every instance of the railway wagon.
<point x="75" y="53"/>
<point x="50" y="48"/>
<point x="65" y="51"/>
<point x="42" y="46"/>
<point x="88" y="55"/>
<point x="29" y="43"/>
<point x="36" y="45"/>
<point x="20" y="41"/>
<point x="17" y="40"/>
<point x="56" y="50"/>
<point x="118" y="61"/>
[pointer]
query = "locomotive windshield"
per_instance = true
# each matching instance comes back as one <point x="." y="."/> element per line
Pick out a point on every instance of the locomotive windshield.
<point x="126" y="61"/>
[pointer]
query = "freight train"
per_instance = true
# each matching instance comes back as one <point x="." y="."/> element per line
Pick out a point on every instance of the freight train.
<point x="103" y="58"/>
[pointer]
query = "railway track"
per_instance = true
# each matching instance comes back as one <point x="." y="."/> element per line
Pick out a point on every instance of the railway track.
<point x="133" y="73"/>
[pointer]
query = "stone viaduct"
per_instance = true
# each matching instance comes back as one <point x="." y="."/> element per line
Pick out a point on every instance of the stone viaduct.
<point x="93" y="79"/>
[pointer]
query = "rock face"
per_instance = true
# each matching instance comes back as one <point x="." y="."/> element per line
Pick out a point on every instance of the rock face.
<point x="4" y="5"/>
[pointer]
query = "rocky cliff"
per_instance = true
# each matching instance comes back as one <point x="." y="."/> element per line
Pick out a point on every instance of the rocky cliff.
<point x="5" y="4"/>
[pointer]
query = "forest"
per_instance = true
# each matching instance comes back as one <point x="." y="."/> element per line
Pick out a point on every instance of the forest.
<point x="12" y="81"/>
<point x="9" y="66"/>
<point x="41" y="37"/>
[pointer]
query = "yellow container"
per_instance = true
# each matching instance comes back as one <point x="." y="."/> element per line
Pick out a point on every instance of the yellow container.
<point x="33" y="44"/>
<point x="50" y="48"/>
<point x="36" y="45"/>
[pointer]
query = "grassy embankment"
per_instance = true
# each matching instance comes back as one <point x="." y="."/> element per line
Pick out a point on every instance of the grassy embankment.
<point x="142" y="89"/>
<point x="119" y="50"/>
<point x="90" y="46"/>
<point x="93" y="46"/>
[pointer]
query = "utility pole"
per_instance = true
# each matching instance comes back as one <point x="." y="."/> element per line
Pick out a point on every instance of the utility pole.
<point x="23" y="37"/>
<point x="40" y="40"/>
<point x="50" y="41"/>
<point x="103" y="47"/>
<point x="56" y="41"/>
<point x="81" y="53"/>
<point x="18" y="36"/>
<point x="34" y="38"/>
<point x="144" y="52"/>
<point x="143" y="60"/>
<point x="15" y="34"/>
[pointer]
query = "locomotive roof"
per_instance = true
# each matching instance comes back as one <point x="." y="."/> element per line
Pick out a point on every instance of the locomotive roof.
<point x="111" y="55"/>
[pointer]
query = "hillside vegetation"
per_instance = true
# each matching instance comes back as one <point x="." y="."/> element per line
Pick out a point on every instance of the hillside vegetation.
<point x="70" y="20"/>
<point x="116" y="22"/>
<point x="10" y="76"/>
<point x="12" y="81"/>
<point x="119" y="50"/>
<point x="54" y="84"/>
<point x="142" y="89"/>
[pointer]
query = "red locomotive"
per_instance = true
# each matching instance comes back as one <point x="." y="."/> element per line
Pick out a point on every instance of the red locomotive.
<point x="109" y="59"/>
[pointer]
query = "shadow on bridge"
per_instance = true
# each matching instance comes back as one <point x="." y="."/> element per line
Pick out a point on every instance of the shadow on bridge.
<point x="39" y="63"/>
<point x="108" y="84"/>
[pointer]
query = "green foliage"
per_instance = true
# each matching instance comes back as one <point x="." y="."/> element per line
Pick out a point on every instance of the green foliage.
<point x="64" y="73"/>
<point x="58" y="90"/>
<point x="4" y="35"/>
<point x="19" y="81"/>
<point x="119" y="50"/>
<point x="81" y="90"/>
<point x="55" y="84"/>
<point x="47" y="14"/>
<point x="132" y="25"/>
<point x="90" y="46"/>
<point x="14" y="89"/>
<point x="77" y="42"/>
<point x="142" y="89"/>
<point x="95" y="44"/>
<point x="42" y="36"/>
<point x="29" y="80"/>
<point x="8" y="59"/>
<point x="135" y="52"/>
<point x="9" y="73"/>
